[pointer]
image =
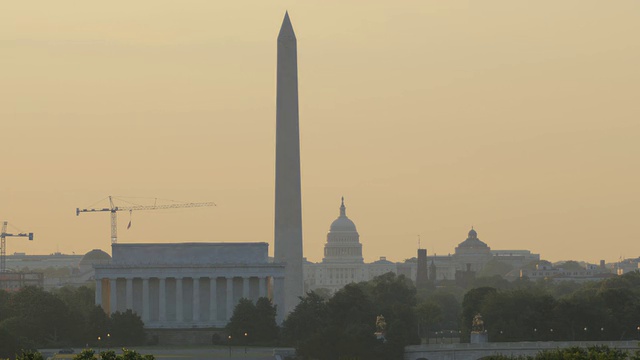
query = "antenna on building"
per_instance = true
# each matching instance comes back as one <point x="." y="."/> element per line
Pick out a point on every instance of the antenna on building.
<point x="418" y="241"/>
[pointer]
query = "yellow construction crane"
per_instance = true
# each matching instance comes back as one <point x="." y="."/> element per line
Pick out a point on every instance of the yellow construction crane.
<point x="3" y="244"/>
<point x="113" y="209"/>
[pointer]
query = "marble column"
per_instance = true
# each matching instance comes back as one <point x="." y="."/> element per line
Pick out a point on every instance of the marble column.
<point x="245" y="287"/>
<point x="213" y="299"/>
<point x="262" y="287"/>
<point x="113" y="299"/>
<point x="129" y="293"/>
<point x="99" y="292"/>
<point x="162" y="299"/>
<point x="196" y="299"/>
<point x="145" y="300"/>
<point x="179" y="306"/>
<point x="229" y="297"/>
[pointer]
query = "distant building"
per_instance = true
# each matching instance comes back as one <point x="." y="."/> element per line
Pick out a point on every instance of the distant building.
<point x="545" y="272"/>
<point x="628" y="265"/>
<point x="14" y="281"/>
<point x="471" y="256"/>
<point x="19" y="261"/>
<point x="422" y="275"/>
<point x="187" y="285"/>
<point x="343" y="262"/>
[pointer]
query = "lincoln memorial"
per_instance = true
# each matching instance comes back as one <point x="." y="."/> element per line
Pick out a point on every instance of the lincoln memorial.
<point x="187" y="285"/>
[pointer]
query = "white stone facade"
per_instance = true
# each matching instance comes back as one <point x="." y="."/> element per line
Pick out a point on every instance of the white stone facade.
<point x="187" y="285"/>
<point x="343" y="263"/>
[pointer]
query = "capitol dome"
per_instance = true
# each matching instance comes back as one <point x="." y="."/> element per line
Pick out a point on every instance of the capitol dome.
<point x="343" y="240"/>
<point x="343" y="223"/>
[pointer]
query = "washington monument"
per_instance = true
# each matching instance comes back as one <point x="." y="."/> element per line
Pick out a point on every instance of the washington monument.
<point x="288" y="212"/>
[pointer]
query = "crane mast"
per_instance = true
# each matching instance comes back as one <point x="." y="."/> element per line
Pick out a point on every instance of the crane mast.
<point x="3" y="244"/>
<point x="113" y="209"/>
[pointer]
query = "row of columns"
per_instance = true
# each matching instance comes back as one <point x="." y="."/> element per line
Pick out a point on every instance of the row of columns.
<point x="263" y="282"/>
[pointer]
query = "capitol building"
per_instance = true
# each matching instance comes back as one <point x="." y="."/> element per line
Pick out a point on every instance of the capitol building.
<point x="343" y="262"/>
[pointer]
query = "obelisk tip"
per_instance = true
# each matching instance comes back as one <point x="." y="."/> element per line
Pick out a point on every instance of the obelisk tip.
<point x="286" y="30"/>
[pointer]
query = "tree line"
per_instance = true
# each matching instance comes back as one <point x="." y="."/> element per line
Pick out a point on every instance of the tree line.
<point x="605" y="310"/>
<point x="32" y="318"/>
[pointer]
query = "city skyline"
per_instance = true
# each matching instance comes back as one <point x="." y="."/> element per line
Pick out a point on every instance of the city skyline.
<point x="428" y="119"/>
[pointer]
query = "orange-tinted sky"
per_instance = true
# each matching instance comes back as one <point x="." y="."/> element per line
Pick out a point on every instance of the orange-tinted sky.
<point x="518" y="117"/>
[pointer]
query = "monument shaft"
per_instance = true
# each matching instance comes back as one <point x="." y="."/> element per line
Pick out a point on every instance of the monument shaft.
<point x="288" y="202"/>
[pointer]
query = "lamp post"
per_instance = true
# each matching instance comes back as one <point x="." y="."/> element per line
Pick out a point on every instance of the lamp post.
<point x="245" y="342"/>
<point x="108" y="340"/>
<point x="229" y="338"/>
<point x="601" y="333"/>
<point x="99" y="338"/>
<point x="585" y="333"/>
<point x="638" y="328"/>
<point x="551" y="331"/>
<point x="535" y="332"/>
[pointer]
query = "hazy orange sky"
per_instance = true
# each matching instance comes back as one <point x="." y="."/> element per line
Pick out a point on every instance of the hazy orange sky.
<point x="520" y="118"/>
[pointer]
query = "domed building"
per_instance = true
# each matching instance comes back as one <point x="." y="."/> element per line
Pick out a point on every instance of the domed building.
<point x="93" y="257"/>
<point x="472" y="253"/>
<point x="343" y="241"/>
<point x="343" y="262"/>
<point x="470" y="258"/>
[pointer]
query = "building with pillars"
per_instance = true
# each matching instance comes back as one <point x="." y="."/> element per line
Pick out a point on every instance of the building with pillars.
<point x="343" y="262"/>
<point x="187" y="285"/>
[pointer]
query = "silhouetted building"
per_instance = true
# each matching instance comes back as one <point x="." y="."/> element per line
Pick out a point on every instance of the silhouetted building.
<point x="422" y="275"/>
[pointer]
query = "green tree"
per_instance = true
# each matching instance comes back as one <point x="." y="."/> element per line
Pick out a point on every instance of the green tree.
<point x="472" y="305"/>
<point x="351" y="326"/>
<point x="8" y="344"/>
<point x="29" y="355"/>
<point x="450" y="305"/>
<point x="429" y="315"/>
<point x="266" y="329"/>
<point x="98" y="324"/>
<point x="303" y="326"/>
<point x="127" y="329"/>
<point x="242" y="321"/>
<point x="39" y="316"/>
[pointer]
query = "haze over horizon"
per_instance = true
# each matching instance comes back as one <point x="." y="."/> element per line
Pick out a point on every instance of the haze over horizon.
<point x="519" y="119"/>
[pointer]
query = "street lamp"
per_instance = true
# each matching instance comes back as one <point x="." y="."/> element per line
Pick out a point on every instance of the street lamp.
<point x="99" y="338"/>
<point x="535" y="332"/>
<point x="245" y="342"/>
<point x="229" y="345"/>
<point x="638" y="328"/>
<point x="108" y="340"/>
<point x="551" y="331"/>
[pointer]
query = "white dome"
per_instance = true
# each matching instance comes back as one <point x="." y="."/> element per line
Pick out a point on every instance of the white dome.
<point x="343" y="241"/>
<point x="342" y="223"/>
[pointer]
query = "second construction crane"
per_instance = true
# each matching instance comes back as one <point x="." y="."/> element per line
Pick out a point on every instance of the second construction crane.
<point x="3" y="244"/>
<point x="113" y="209"/>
